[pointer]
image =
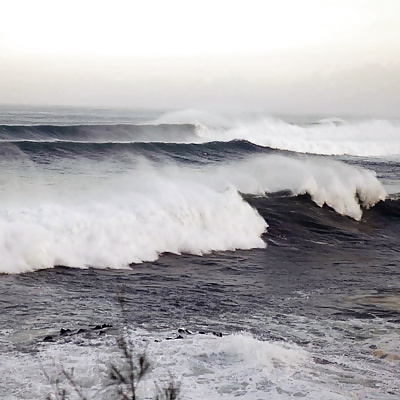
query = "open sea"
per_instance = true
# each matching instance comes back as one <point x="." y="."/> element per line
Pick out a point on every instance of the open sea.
<point x="258" y="257"/>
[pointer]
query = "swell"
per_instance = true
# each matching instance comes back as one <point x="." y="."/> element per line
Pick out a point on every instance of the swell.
<point x="99" y="133"/>
<point x="187" y="152"/>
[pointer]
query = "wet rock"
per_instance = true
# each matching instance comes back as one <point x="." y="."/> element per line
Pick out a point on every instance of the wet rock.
<point x="179" y="337"/>
<point x="322" y="361"/>
<point x="97" y="327"/>
<point x="65" y="332"/>
<point x="48" y="338"/>
<point x="186" y="331"/>
<point x="373" y="346"/>
<point x="81" y="331"/>
<point x="218" y="334"/>
<point x="303" y="342"/>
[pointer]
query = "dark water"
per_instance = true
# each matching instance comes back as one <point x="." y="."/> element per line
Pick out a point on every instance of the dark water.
<point x="308" y="307"/>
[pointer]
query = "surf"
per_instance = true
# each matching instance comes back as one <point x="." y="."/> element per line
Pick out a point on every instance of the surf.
<point x="134" y="211"/>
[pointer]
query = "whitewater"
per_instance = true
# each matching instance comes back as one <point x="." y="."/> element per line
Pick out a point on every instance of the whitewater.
<point x="270" y="242"/>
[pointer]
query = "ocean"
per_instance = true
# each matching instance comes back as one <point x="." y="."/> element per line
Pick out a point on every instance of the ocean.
<point x="257" y="256"/>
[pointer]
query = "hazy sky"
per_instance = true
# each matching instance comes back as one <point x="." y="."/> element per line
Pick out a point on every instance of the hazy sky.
<point x="285" y="56"/>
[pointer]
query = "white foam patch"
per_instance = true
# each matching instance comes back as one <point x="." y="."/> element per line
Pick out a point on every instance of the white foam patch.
<point x="329" y="136"/>
<point x="233" y="366"/>
<point x="203" y="364"/>
<point x="24" y="374"/>
<point x="135" y="215"/>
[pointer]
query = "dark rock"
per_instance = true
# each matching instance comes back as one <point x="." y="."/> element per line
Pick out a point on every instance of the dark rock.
<point x="81" y="331"/>
<point x="97" y="327"/>
<point x="303" y="342"/>
<point x="202" y="333"/>
<point x="373" y="346"/>
<point x="179" y="337"/>
<point x="48" y="339"/>
<point x="186" y="331"/>
<point x="219" y="334"/>
<point x="322" y="361"/>
<point x="65" y="332"/>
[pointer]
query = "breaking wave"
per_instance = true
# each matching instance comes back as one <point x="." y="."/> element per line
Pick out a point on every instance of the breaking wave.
<point x="331" y="136"/>
<point x="135" y="215"/>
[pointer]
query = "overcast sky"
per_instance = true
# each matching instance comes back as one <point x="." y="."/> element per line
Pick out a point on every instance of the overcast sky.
<point x="283" y="56"/>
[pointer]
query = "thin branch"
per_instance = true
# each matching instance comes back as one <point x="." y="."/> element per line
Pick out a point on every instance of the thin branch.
<point x="72" y="382"/>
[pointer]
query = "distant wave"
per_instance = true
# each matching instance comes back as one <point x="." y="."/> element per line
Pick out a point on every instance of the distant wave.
<point x="182" y="152"/>
<point x="328" y="137"/>
<point x="173" y="133"/>
<point x="368" y="138"/>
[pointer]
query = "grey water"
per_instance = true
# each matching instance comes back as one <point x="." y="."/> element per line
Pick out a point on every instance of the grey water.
<point x="313" y="313"/>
